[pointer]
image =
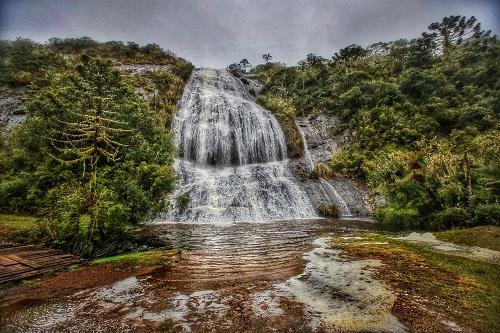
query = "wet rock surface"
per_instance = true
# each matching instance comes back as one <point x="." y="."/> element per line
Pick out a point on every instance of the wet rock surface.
<point x="250" y="277"/>
<point x="141" y="69"/>
<point x="323" y="139"/>
<point x="11" y="107"/>
<point x="322" y="135"/>
<point x="254" y="87"/>
<point x="471" y="252"/>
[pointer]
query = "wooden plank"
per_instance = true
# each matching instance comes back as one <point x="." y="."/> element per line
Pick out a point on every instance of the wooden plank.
<point x="43" y="253"/>
<point x="19" y="262"/>
<point x="14" y="270"/>
<point x="16" y="248"/>
<point x="20" y="276"/>
<point x="6" y="261"/>
<point x="24" y="261"/>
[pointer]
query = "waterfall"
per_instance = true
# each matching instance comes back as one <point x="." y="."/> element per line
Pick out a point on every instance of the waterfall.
<point x="233" y="162"/>
<point x="344" y="210"/>
<point x="307" y="154"/>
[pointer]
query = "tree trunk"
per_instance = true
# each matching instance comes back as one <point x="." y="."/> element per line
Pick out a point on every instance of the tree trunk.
<point x="468" y="176"/>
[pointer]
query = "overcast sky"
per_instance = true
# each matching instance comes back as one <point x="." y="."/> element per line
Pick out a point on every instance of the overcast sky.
<point x="216" y="33"/>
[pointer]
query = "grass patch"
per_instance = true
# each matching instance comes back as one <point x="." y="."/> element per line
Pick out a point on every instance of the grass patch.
<point x="463" y="290"/>
<point x="483" y="236"/>
<point x="140" y="258"/>
<point x="17" y="227"/>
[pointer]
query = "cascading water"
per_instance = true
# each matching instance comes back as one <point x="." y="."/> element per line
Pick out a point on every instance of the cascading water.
<point x="233" y="163"/>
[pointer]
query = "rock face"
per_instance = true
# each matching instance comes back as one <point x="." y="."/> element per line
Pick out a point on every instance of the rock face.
<point x="322" y="140"/>
<point x="141" y="69"/>
<point x="357" y="199"/>
<point x="254" y="87"/>
<point x="11" y="107"/>
<point x="321" y="135"/>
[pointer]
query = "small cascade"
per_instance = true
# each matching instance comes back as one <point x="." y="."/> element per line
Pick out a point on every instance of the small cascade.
<point x="307" y="154"/>
<point x="233" y="164"/>
<point x="344" y="210"/>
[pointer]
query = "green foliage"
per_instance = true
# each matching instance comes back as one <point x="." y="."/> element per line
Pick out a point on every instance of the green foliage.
<point x="400" y="216"/>
<point x="487" y="214"/>
<point x="451" y="217"/>
<point x="93" y="159"/>
<point x="285" y="114"/>
<point x="322" y="170"/>
<point x="328" y="210"/>
<point x="23" y="61"/>
<point x="422" y="117"/>
<point x="18" y="228"/>
<point x="142" y="258"/>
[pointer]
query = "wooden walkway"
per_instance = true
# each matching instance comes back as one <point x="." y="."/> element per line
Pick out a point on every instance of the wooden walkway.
<point x="19" y="262"/>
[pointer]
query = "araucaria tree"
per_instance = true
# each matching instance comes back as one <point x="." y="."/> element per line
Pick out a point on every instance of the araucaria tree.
<point x="245" y="63"/>
<point x="89" y="117"/>
<point x="267" y="57"/>
<point x="453" y="30"/>
<point x="107" y="160"/>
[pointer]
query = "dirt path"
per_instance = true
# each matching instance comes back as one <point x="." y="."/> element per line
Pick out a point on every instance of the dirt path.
<point x="471" y="252"/>
<point x="274" y="277"/>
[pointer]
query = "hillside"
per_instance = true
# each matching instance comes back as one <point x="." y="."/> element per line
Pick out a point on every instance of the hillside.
<point x="417" y="120"/>
<point x="93" y="153"/>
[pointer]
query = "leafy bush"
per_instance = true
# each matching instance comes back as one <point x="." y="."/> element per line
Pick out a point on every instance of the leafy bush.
<point x="487" y="214"/>
<point x="322" y="170"/>
<point x="184" y="201"/>
<point x="397" y="216"/>
<point x="451" y="217"/>
<point x="91" y="193"/>
<point x="328" y="210"/>
<point x="285" y="114"/>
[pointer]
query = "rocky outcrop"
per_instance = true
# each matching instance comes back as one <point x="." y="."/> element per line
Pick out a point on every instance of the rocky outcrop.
<point x="323" y="139"/>
<point x="141" y="69"/>
<point x="11" y="107"/>
<point x="253" y="86"/>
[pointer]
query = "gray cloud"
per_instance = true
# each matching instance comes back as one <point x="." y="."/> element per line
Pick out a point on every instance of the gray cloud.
<point x="215" y="33"/>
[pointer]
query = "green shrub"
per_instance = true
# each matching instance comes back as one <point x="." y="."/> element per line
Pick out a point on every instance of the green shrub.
<point x="89" y="202"/>
<point x="285" y="114"/>
<point x="322" y="170"/>
<point x="487" y="214"/>
<point x="450" y="217"/>
<point x="398" y="217"/>
<point x="13" y="193"/>
<point x="183" y="202"/>
<point x="328" y="210"/>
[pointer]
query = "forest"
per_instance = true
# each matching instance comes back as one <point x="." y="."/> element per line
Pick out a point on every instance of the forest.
<point x="422" y="116"/>
<point x="92" y="157"/>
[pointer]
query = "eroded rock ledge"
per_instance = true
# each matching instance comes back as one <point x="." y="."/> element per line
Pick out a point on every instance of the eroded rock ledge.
<point x="323" y="139"/>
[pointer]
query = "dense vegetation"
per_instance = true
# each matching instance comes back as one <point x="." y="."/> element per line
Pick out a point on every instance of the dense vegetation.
<point x="22" y="60"/>
<point x="94" y="157"/>
<point x="422" y="116"/>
